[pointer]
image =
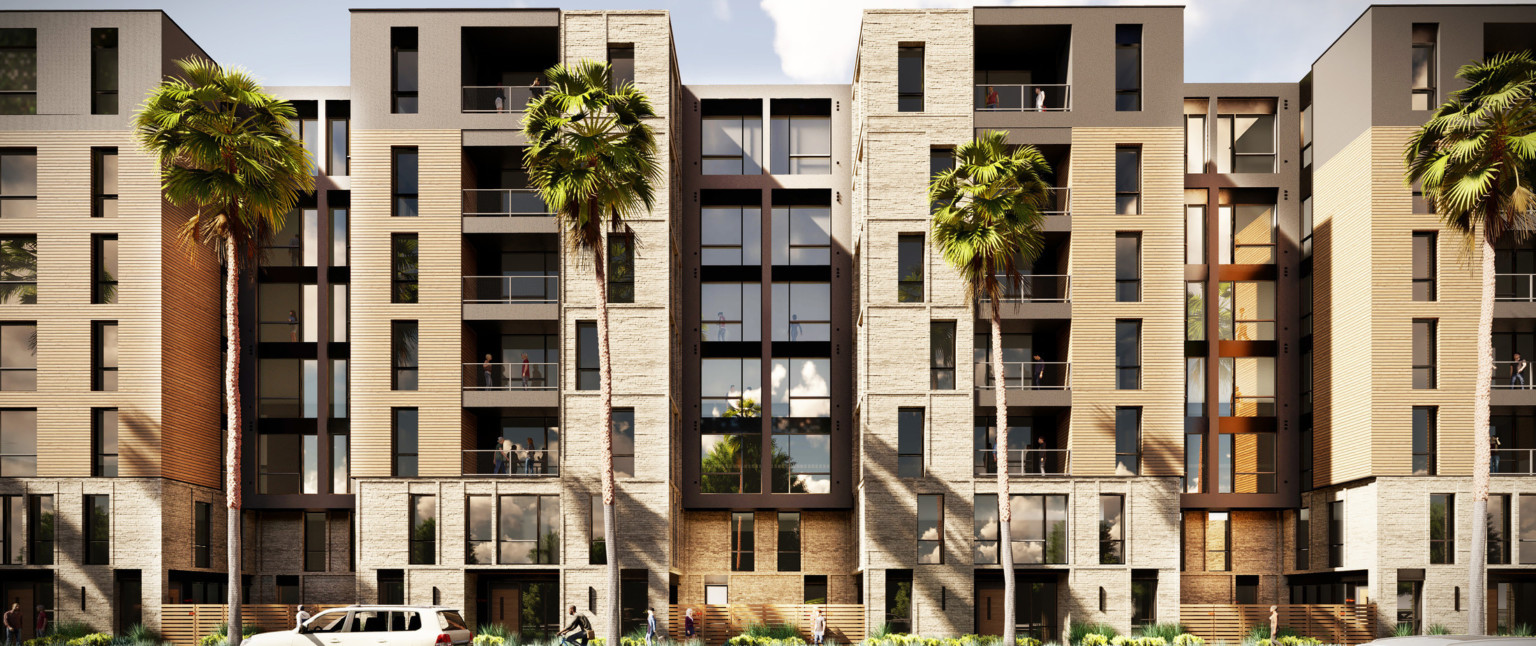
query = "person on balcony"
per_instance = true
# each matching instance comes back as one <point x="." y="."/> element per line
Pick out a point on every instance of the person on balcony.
<point x="1037" y="372"/>
<point x="485" y="370"/>
<point x="1040" y="454"/>
<point x="504" y="455"/>
<point x="1039" y="99"/>
<point x="527" y="370"/>
<point x="1517" y="372"/>
<point x="530" y="455"/>
<point x="991" y="100"/>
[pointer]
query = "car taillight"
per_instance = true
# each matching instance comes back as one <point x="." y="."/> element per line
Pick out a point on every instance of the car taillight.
<point x="443" y="639"/>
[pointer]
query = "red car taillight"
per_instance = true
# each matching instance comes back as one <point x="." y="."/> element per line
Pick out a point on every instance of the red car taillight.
<point x="443" y="640"/>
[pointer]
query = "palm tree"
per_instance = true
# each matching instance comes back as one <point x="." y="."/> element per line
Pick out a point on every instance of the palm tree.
<point x="987" y="214"/>
<point x="227" y="153"/>
<point x="1475" y="160"/>
<point x="592" y="158"/>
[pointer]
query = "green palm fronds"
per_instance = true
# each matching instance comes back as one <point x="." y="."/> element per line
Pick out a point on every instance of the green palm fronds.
<point x="989" y="210"/>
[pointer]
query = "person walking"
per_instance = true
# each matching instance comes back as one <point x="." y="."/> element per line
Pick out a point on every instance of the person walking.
<point x="485" y="371"/>
<point x="529" y="455"/>
<point x="650" y="626"/>
<point x="300" y="618"/>
<point x="580" y="629"/>
<point x="688" y="626"/>
<point x="1039" y="99"/>
<point x="527" y="370"/>
<point x="1517" y="372"/>
<point x="1037" y="372"/>
<point x="818" y="626"/>
<point x="12" y="621"/>
<point x="41" y="623"/>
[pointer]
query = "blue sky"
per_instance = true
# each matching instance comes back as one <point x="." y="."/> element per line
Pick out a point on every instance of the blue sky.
<point x="305" y="42"/>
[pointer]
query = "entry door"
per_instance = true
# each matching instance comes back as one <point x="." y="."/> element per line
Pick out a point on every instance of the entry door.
<point x="506" y="608"/>
<point x="989" y="612"/>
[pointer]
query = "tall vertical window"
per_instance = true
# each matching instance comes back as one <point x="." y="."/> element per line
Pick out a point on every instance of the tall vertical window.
<point x="730" y="235"/>
<point x="1195" y="136"/>
<point x="104" y="182"/>
<point x="621" y="60"/>
<point x="1336" y="533"/>
<point x="909" y="78"/>
<point x="930" y="529"/>
<point x="789" y="541"/>
<point x="909" y="268"/>
<point x="405" y="340"/>
<point x="909" y="443"/>
<point x="1246" y="234"/>
<point x="406" y="181"/>
<point x="1498" y="529"/>
<point x="623" y="442"/>
<point x="1194" y="459"/>
<point x="1194" y="311"/>
<point x="1128" y="266"/>
<point x="597" y="547"/>
<point x="1245" y="136"/>
<point x="40" y="530"/>
<point x="1303" y="538"/>
<point x="18" y="71"/>
<point x="18" y="270"/>
<point x="202" y="525"/>
<point x="104" y="268"/>
<point x="1424" y="440"/>
<point x="1218" y="541"/>
<point x="104" y="442"/>
<point x="338" y="115"/>
<point x="1246" y="463"/>
<point x="423" y="542"/>
<point x="1246" y="387"/>
<point x="104" y="356"/>
<point x="405" y="256"/>
<point x="742" y="541"/>
<point x="405" y="442"/>
<point x="1247" y="310"/>
<point x="341" y="469"/>
<point x="1128" y="354"/>
<point x="104" y="70"/>
<point x="98" y="529"/>
<point x="13" y="549"/>
<point x="18" y="174"/>
<point x="1527" y="528"/>
<point x="1127" y="68"/>
<point x="18" y="357"/>
<point x="1038" y="529"/>
<point x="941" y="355"/>
<point x="802" y="311"/>
<point x="1424" y="353"/>
<point x="802" y="235"/>
<point x="1424" y="69"/>
<point x="1111" y="529"/>
<point x="1424" y="265"/>
<point x="18" y="443"/>
<point x="1194" y="387"/>
<point x="404" y="82"/>
<point x="800" y="144"/>
<point x="315" y="541"/>
<point x="621" y="268"/>
<point x="1127" y="441"/>
<point x="1442" y="527"/>
<point x="587" y="370"/>
<point x="1128" y="180"/>
<point x="339" y="247"/>
<point x="530" y="530"/>
<point x="731" y="144"/>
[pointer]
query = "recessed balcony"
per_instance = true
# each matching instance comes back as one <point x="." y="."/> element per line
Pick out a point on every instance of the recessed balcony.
<point x="502" y="68"/>
<point x="1023" y="68"/>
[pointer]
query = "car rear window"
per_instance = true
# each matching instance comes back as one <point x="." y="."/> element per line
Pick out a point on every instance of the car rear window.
<point x="401" y="621"/>
<point x="451" y="621"/>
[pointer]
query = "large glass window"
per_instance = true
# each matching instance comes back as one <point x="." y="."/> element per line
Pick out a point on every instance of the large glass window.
<point x="802" y="145"/>
<point x="405" y="436"/>
<point x="1128" y="355"/>
<point x="405" y="340"/>
<point x="18" y="168"/>
<point x="597" y="546"/>
<point x="802" y="311"/>
<point x="18" y="443"/>
<point x="104" y="356"/>
<point x="731" y="235"/>
<point x="588" y="368"/>
<point x="1424" y="265"/>
<point x="406" y="185"/>
<point x="1424" y="440"/>
<point x="40" y="529"/>
<point x="1498" y="529"/>
<point x="621" y="62"/>
<point x="423" y="541"/>
<point x="732" y="311"/>
<point x="288" y="463"/>
<point x="1247" y="311"/>
<point x="1128" y="180"/>
<point x="732" y="145"/>
<point x="1247" y="234"/>
<point x="1246" y="463"/>
<point x="1127" y="68"/>
<point x="104" y="442"/>
<point x="339" y="245"/>
<point x="1218" y="541"/>
<point x="104" y="268"/>
<point x="789" y="541"/>
<point x="104" y="182"/>
<point x="1111" y="529"/>
<point x="909" y="78"/>
<point x="941" y="355"/>
<point x="341" y="467"/>
<point x="1246" y="387"/>
<point x="1128" y="266"/>
<point x="530" y="530"/>
<point x="731" y="462"/>
<point x="802" y="235"/>
<point x="404" y="82"/>
<point x="623" y="439"/>
<point x="909" y="443"/>
<point x="621" y="268"/>
<point x="98" y="530"/>
<point x="1194" y="311"/>
<point x="18" y="270"/>
<point x="802" y="459"/>
<point x="339" y="138"/>
<point x="18" y="71"/>
<point x="18" y="356"/>
<point x="1423" y="67"/>
<point x="1194" y="461"/>
<point x="1527" y="528"/>
<point x="1127" y="440"/>
<point x="405" y="258"/>
<point x="731" y="388"/>
<point x="1425" y="355"/>
<point x="1442" y="527"/>
<point x="1246" y="142"/>
<point x="1303" y="538"/>
<point x="315" y="541"/>
<point x="287" y="313"/>
<point x="801" y="388"/>
<point x="1038" y="529"/>
<point x="930" y="529"/>
<point x="1336" y="533"/>
<point x="1195" y="136"/>
<point x="743" y="540"/>
<point x="909" y="268"/>
<point x="13" y="548"/>
<point x="1194" y="386"/>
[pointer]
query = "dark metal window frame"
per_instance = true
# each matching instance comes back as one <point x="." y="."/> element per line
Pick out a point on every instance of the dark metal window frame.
<point x="1303" y="538"/>
<point x="1111" y="545"/>
<point x="95" y="535"/>
<point x="423" y="551"/>
<point x="14" y="279"/>
<point x="395" y="49"/>
<point x="1128" y="289"/>
<point x="104" y="458"/>
<point x="906" y="453"/>
<point x="620" y="460"/>
<point x="99" y="194"/>
<point x="743" y="541"/>
<point x="789" y="559"/>
<point x="1140" y="67"/>
<point x="1498" y="541"/>
<point x="1128" y="369"/>
<point x="581" y="356"/>
<point x="33" y="455"/>
<point x="1335" y="533"/>
<point x="98" y="48"/>
<point x="905" y="96"/>
<point x="938" y="499"/>
<point x="100" y="368"/>
<point x="941" y="362"/>
<point x="541" y="528"/>
<point x="597" y="535"/>
<point x="8" y="521"/>
<point x="394" y="181"/>
<point x="104" y="283"/>
<point x="405" y="267"/>
<point x="1442" y="549"/>
<point x="309" y="541"/>
<point x="1431" y="369"/>
<point x="23" y="94"/>
<point x="909" y="286"/>
<point x="1133" y="453"/>
<point x="40" y="547"/>
<point x="1428" y="455"/>
<point x="398" y="345"/>
<point x="1226" y="551"/>
<point x="202" y="513"/>
<point x="1140" y="185"/>
<point x="394" y="437"/>
<point x="621" y="268"/>
<point x="1429" y="265"/>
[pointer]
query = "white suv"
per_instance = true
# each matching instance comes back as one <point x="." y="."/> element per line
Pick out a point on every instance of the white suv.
<point x="371" y="625"/>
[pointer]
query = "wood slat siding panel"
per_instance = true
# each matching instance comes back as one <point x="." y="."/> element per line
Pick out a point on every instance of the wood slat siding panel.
<point x="1094" y="310"/>
<point x="64" y="311"/>
<point x="1342" y="325"/>
<point x="438" y="314"/>
<point x="1333" y="624"/>
<point x="715" y="623"/>
<point x="192" y="326"/>
<point x="184" y="624"/>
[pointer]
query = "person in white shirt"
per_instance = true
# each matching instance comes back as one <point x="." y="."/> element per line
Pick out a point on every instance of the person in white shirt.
<point x="818" y="626"/>
<point x="1039" y="99"/>
<point x="300" y="617"/>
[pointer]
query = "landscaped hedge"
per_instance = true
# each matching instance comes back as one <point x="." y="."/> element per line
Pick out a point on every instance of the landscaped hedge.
<point x="902" y="639"/>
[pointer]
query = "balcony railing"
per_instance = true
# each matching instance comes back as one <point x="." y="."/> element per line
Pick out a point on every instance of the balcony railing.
<point x="1059" y="200"/>
<point x="1026" y="462"/>
<point x="1027" y="375"/>
<point x="503" y="202"/>
<point x="499" y="98"/>
<point x="1036" y="97"/>
<point x="280" y="331"/>
<point x="1036" y="288"/>
<point x="511" y="289"/>
<point x="1248" y="406"/>
<point x="511" y="376"/>
<point x="1505" y="374"/>
<point x="513" y="463"/>
<point x="1514" y="287"/>
<point x="1512" y="462"/>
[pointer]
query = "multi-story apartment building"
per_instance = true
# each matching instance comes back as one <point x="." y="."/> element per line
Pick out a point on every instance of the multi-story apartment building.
<point x="1239" y="372"/>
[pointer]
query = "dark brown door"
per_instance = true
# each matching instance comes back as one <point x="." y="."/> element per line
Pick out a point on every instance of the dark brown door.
<point x="506" y="608"/>
<point x="989" y="612"/>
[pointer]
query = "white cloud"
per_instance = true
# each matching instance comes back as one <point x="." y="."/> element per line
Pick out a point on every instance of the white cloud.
<point x="722" y="10"/>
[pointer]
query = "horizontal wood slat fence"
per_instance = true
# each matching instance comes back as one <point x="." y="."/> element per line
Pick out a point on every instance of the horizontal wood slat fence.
<point x="715" y="624"/>
<point x="183" y="624"/>
<point x="1331" y="623"/>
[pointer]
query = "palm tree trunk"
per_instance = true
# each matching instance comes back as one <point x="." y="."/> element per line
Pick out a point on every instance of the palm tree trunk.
<point x="1477" y="563"/>
<point x="1004" y="505"/>
<point x="232" y="411"/>
<point x="605" y="393"/>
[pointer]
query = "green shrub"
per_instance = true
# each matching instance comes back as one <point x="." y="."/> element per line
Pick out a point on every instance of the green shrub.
<point x="1137" y="641"/>
<point x="775" y="631"/>
<point x="751" y="640"/>
<point x="1437" y="629"/>
<point x="1519" y="630"/>
<point x="220" y="635"/>
<point x="93" y="639"/>
<point x="489" y="640"/>
<point x="1168" y="631"/>
<point x="1404" y="630"/>
<point x="1079" y="631"/>
<point x="1187" y="639"/>
<point x="1286" y="631"/>
<point x="881" y="631"/>
<point x="1258" y="633"/>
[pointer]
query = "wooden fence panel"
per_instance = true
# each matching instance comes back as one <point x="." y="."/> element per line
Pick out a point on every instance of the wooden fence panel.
<point x="1331" y="623"/>
<point x="717" y="623"/>
<point x="184" y="624"/>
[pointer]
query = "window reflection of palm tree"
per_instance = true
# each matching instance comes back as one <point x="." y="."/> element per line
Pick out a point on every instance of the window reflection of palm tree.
<point x="720" y="328"/>
<point x="794" y="326"/>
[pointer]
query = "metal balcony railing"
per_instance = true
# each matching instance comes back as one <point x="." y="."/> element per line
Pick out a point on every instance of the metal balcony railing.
<point x="1027" y="375"/>
<point x="1248" y="406"/>
<point x="1512" y="462"/>
<point x="503" y="202"/>
<point x="499" y="98"/>
<point x="1036" y="288"/>
<point x="511" y="376"/>
<point x="1506" y="375"/>
<point x="1060" y="200"/>
<point x="518" y="463"/>
<point x="511" y="289"/>
<point x="1026" y="462"/>
<point x="1514" y="287"/>
<point x="1033" y="97"/>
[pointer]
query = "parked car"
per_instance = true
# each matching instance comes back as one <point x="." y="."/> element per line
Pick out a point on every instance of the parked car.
<point x="375" y="624"/>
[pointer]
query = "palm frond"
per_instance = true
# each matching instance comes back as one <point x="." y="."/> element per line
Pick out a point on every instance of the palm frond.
<point x="989" y="210"/>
